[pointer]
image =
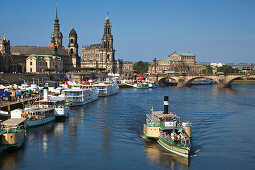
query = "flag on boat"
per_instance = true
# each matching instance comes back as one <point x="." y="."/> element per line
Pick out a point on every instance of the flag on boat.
<point x="151" y="109"/>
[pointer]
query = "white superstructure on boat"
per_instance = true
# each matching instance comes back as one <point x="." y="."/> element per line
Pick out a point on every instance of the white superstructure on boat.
<point x="106" y="89"/>
<point x="142" y="86"/>
<point x="80" y="95"/>
<point x="34" y="116"/>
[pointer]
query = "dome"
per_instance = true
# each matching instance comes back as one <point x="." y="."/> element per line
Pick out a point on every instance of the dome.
<point x="107" y="19"/>
<point x="72" y="33"/>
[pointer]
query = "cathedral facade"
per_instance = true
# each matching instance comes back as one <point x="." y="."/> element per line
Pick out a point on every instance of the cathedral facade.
<point x="101" y="55"/>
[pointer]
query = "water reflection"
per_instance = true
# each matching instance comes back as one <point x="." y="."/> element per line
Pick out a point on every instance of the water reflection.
<point x="157" y="155"/>
<point x="11" y="159"/>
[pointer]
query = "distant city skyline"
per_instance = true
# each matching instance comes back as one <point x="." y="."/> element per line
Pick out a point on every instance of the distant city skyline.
<point x="218" y="31"/>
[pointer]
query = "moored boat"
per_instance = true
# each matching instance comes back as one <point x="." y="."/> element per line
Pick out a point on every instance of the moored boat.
<point x="12" y="133"/>
<point x="142" y="86"/>
<point x="152" y="85"/>
<point x="104" y="89"/>
<point x="169" y="131"/>
<point x="61" y="108"/>
<point x="80" y="95"/>
<point x="34" y="116"/>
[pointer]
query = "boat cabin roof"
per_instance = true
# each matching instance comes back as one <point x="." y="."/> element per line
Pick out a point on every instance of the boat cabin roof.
<point x="159" y="114"/>
<point x="39" y="109"/>
<point x="13" y="122"/>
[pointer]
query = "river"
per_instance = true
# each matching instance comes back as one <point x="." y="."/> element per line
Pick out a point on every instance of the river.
<point x="107" y="134"/>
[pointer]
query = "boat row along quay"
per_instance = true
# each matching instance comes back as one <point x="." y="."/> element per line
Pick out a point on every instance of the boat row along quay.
<point x="33" y="105"/>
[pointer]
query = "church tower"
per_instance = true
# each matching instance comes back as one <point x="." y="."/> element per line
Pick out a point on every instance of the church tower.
<point x="107" y="45"/>
<point x="73" y="48"/>
<point x="56" y="35"/>
<point x="5" y="55"/>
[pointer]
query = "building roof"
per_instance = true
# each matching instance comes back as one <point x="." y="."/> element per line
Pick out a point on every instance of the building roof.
<point x="167" y="59"/>
<point x="44" y="57"/>
<point x="72" y="33"/>
<point x="186" y="54"/>
<point x="28" y="50"/>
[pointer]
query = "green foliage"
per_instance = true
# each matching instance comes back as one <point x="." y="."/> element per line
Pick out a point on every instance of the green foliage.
<point x="208" y="70"/>
<point x="227" y="69"/>
<point x="141" y="67"/>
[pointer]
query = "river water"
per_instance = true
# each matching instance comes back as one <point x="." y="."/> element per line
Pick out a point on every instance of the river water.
<point x="107" y="134"/>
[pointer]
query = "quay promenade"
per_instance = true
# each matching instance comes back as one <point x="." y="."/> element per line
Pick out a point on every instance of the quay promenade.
<point x="9" y="106"/>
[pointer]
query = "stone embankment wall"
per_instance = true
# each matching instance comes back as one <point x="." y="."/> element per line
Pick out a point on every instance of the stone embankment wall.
<point x="18" y="78"/>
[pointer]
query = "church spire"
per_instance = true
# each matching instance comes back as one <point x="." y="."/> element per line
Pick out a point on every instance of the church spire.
<point x="107" y="19"/>
<point x="56" y="12"/>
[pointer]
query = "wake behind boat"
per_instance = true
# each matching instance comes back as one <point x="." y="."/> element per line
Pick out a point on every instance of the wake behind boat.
<point x="169" y="131"/>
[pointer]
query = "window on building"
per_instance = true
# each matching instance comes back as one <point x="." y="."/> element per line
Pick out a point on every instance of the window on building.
<point x="30" y="69"/>
<point x="71" y="51"/>
<point x="31" y="63"/>
<point x="71" y="40"/>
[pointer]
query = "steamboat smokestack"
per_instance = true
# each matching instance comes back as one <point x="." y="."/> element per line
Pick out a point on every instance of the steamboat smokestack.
<point x="165" y="104"/>
<point x="45" y="94"/>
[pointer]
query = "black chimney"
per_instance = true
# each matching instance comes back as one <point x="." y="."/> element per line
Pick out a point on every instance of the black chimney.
<point x="165" y="104"/>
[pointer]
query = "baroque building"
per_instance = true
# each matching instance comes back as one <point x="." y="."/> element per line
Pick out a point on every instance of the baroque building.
<point x="68" y="55"/>
<point x="175" y="63"/>
<point x="101" y="55"/>
<point x="41" y="63"/>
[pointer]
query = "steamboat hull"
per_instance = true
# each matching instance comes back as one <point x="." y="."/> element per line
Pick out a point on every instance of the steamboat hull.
<point x="39" y="122"/>
<point x="174" y="149"/>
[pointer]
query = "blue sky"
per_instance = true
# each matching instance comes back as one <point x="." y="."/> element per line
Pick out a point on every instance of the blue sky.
<point x="214" y="30"/>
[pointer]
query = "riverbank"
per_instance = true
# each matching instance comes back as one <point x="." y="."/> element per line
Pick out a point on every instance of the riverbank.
<point x="243" y="82"/>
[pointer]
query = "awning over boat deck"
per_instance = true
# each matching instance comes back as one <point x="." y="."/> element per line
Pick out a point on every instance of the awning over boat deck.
<point x="13" y="122"/>
<point x="159" y="114"/>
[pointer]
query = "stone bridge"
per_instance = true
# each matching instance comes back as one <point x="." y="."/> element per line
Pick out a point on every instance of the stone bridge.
<point x="223" y="81"/>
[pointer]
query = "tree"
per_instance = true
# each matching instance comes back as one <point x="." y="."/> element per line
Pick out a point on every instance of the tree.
<point x="227" y="69"/>
<point x="207" y="70"/>
<point x="141" y="67"/>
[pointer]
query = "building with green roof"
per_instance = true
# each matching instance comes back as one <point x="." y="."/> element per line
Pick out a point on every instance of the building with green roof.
<point x="41" y="63"/>
<point x="183" y="62"/>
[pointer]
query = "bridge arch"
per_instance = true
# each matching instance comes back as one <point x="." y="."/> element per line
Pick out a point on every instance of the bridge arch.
<point x="163" y="82"/>
<point x="188" y="82"/>
<point x="229" y="82"/>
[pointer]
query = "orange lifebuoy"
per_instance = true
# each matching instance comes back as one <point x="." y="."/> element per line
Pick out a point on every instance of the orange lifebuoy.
<point x="7" y="128"/>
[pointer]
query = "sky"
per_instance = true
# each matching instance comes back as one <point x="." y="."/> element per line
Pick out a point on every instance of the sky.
<point x="213" y="30"/>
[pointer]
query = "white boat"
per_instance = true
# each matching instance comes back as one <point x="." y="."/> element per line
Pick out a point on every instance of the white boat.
<point x="152" y="85"/>
<point x="80" y="95"/>
<point x="142" y="86"/>
<point x="34" y="116"/>
<point x="61" y="108"/>
<point x="201" y="81"/>
<point x="104" y="89"/>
